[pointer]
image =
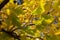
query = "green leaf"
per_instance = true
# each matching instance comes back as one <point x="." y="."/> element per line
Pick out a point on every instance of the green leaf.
<point x="15" y="20"/>
<point x="47" y="16"/>
<point x="44" y="23"/>
<point x="31" y="32"/>
<point x="38" y="10"/>
<point x="5" y="36"/>
<point x="17" y="11"/>
<point x="8" y="22"/>
<point x="52" y="37"/>
<point x="39" y="27"/>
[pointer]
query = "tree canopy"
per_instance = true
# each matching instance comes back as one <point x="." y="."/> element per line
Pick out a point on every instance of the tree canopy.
<point x="30" y="20"/>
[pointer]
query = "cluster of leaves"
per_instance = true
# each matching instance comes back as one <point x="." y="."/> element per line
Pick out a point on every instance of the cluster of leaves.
<point x="36" y="18"/>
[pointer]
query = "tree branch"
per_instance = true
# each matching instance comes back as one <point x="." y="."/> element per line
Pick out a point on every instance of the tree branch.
<point x="3" y="4"/>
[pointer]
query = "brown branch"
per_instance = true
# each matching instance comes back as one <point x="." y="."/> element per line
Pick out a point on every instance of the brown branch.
<point x="3" y="4"/>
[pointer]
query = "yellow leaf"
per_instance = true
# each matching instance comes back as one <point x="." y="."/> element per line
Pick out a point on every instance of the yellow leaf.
<point x="8" y="11"/>
<point x="26" y="20"/>
<point x="57" y="33"/>
<point x="11" y="1"/>
<point x="38" y="22"/>
<point x="42" y="3"/>
<point x="37" y="33"/>
<point x="49" y="20"/>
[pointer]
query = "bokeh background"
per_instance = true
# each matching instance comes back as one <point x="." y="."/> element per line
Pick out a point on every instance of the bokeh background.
<point x="38" y="19"/>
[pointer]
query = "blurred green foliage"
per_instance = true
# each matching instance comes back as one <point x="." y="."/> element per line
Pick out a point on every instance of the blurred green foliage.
<point x="44" y="14"/>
